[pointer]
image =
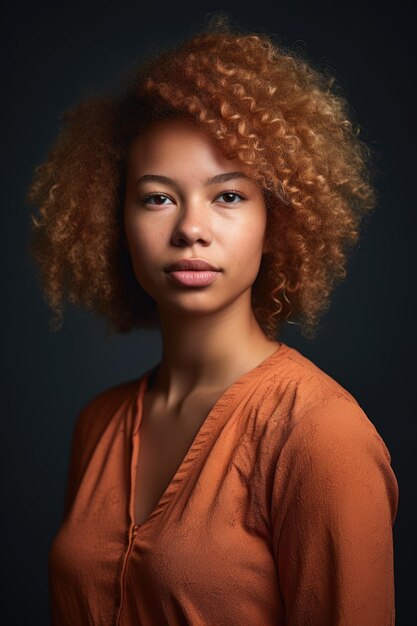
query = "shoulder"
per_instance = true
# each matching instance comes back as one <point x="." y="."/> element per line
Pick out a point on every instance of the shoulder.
<point x="308" y="406"/>
<point x="96" y="413"/>
<point x="334" y="433"/>
<point x="293" y="373"/>
<point x="327" y="453"/>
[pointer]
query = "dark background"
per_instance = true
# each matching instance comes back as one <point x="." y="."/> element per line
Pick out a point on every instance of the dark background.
<point x="54" y="54"/>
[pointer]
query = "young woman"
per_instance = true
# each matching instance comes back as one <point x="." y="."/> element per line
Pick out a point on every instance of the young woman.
<point x="235" y="482"/>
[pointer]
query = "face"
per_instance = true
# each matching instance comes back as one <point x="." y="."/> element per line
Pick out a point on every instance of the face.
<point x="173" y="211"/>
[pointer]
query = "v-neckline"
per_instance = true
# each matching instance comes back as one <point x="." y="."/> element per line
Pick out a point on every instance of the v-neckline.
<point x="220" y="404"/>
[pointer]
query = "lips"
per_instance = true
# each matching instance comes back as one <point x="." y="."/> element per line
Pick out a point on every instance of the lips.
<point x="193" y="278"/>
<point x="192" y="272"/>
<point x="191" y="264"/>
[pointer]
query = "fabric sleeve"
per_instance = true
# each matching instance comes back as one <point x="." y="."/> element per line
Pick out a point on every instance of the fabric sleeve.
<point x="334" y="503"/>
<point x="82" y="441"/>
<point x="89" y="424"/>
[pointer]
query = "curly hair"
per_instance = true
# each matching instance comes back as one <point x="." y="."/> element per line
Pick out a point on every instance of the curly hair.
<point x="268" y="107"/>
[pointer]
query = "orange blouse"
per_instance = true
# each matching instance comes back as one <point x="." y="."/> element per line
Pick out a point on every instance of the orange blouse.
<point x="281" y="512"/>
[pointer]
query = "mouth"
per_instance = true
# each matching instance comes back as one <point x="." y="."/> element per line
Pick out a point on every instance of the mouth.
<point x="193" y="278"/>
<point x="192" y="265"/>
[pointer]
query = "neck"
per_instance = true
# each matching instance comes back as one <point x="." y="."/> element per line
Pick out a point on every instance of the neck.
<point x="208" y="352"/>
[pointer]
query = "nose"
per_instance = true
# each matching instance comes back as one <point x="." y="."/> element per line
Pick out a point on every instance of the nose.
<point x="192" y="225"/>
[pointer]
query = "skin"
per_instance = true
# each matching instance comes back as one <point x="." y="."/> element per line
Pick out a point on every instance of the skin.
<point x="210" y="335"/>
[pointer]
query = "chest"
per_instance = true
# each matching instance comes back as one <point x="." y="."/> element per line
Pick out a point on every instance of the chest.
<point x="164" y="443"/>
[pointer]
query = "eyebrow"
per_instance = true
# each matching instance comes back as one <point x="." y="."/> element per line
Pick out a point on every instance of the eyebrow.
<point x="219" y="178"/>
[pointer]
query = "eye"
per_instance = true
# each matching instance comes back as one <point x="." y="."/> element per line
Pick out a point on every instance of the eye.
<point x="147" y="199"/>
<point x="228" y="194"/>
<point x="161" y="197"/>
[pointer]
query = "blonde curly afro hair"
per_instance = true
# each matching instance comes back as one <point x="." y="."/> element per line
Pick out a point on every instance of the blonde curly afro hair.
<point x="267" y="107"/>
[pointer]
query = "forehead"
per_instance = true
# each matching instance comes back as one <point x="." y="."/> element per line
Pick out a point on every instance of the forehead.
<point x="179" y="145"/>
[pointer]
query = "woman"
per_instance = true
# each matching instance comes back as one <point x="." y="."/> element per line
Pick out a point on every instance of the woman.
<point x="235" y="482"/>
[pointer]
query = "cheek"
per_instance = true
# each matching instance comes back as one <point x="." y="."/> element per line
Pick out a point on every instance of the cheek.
<point x="247" y="240"/>
<point x="143" y="256"/>
<point x="141" y="239"/>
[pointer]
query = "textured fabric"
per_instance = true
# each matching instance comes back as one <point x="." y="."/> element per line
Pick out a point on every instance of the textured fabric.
<point x="281" y="512"/>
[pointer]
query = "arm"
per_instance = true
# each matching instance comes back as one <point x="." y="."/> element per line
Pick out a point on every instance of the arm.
<point x="334" y="503"/>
